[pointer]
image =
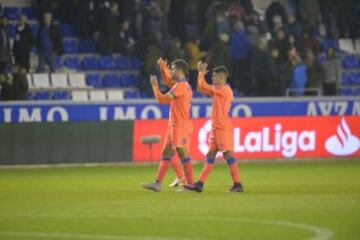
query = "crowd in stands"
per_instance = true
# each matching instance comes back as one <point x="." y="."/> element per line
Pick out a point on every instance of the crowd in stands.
<point x="292" y="45"/>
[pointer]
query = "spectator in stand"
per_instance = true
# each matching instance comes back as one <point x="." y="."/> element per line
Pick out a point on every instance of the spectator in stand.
<point x="259" y="68"/>
<point x="153" y="24"/>
<point x="23" y="43"/>
<point x="108" y="38"/>
<point x="239" y="48"/>
<point x="275" y="9"/>
<point x="192" y="19"/>
<point x="5" y="51"/>
<point x="282" y="43"/>
<point x="279" y="73"/>
<point x="85" y="18"/>
<point x="332" y="67"/>
<point x="20" y="85"/>
<point x="309" y="12"/>
<point x="173" y="49"/>
<point x="315" y="72"/>
<point x="294" y="27"/>
<point x="299" y="76"/>
<point x="218" y="54"/>
<point x="309" y="41"/>
<point x="193" y="55"/>
<point x="126" y="42"/>
<point x="49" y="43"/>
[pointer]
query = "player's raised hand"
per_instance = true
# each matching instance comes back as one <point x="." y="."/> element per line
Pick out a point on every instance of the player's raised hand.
<point x="161" y="62"/>
<point x="154" y="81"/>
<point x="202" y="67"/>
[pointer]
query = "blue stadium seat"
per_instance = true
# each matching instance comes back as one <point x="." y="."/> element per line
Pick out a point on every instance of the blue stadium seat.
<point x="72" y="63"/>
<point x="43" y="95"/>
<point x="135" y="63"/>
<point x="68" y="30"/>
<point x="71" y="46"/>
<point x="11" y="30"/>
<point x="90" y="63"/>
<point x="330" y="42"/>
<point x="132" y="94"/>
<point x="61" y="95"/>
<point x="58" y="63"/>
<point x="112" y="80"/>
<point x="87" y="46"/>
<point x="30" y="96"/>
<point x="345" y="78"/>
<point x="130" y="80"/>
<point x="94" y="80"/>
<point x="34" y="29"/>
<point x="11" y="13"/>
<point x="355" y="78"/>
<point x="30" y="12"/>
<point x="107" y="63"/>
<point x="146" y="94"/>
<point x="123" y="63"/>
<point x="350" y="61"/>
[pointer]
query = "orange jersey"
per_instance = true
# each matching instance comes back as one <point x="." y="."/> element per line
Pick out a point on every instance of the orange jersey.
<point x="179" y="115"/>
<point x="222" y="99"/>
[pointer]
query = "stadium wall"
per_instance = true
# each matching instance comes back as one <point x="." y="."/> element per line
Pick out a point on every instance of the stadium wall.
<point x="68" y="132"/>
<point x="69" y="142"/>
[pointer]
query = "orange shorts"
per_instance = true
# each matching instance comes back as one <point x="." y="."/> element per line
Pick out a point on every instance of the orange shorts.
<point x="221" y="140"/>
<point x="177" y="137"/>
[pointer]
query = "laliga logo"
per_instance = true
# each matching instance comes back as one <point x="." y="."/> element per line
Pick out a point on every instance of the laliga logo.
<point x="343" y="143"/>
<point x="275" y="139"/>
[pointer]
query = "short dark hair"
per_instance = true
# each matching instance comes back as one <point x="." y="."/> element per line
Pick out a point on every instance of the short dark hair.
<point x="221" y="69"/>
<point x="182" y="65"/>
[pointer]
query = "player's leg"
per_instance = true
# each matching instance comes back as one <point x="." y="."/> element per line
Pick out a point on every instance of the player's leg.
<point x="183" y="153"/>
<point x="180" y="176"/>
<point x="209" y="164"/>
<point x="234" y="170"/>
<point x="167" y="153"/>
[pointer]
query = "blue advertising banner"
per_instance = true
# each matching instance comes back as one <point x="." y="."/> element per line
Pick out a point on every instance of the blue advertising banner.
<point x="67" y="111"/>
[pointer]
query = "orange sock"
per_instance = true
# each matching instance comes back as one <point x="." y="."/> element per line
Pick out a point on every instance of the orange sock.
<point x="188" y="170"/>
<point x="233" y="167"/>
<point x="162" y="169"/>
<point x="209" y="165"/>
<point x="175" y="163"/>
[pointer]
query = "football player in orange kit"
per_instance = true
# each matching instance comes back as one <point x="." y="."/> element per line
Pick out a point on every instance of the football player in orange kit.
<point x="221" y="136"/>
<point x="180" y="126"/>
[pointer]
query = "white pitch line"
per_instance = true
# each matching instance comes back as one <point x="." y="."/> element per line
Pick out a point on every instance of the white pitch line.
<point x="319" y="232"/>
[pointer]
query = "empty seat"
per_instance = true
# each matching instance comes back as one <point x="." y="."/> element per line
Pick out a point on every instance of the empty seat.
<point x="41" y="80"/>
<point x="111" y="80"/>
<point x="72" y="63"/>
<point x="77" y="80"/>
<point x="11" y="13"/>
<point x="79" y="95"/>
<point x="43" y="95"/>
<point x="94" y="80"/>
<point x="68" y="30"/>
<point x="123" y="63"/>
<point x="129" y="80"/>
<point x="30" y="12"/>
<point x="90" y="63"/>
<point x="61" y="95"/>
<point x="59" y="80"/>
<point x="87" y="46"/>
<point x="115" y="95"/>
<point x="97" y="95"/>
<point x="34" y="29"/>
<point x="71" y="46"/>
<point x="107" y="63"/>
<point x="132" y="94"/>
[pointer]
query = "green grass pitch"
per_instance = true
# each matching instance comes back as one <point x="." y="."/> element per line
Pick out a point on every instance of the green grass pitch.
<point x="282" y="200"/>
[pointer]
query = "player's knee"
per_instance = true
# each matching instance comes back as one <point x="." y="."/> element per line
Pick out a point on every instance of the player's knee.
<point x="182" y="154"/>
<point x="229" y="157"/>
<point x="210" y="156"/>
<point x="167" y="154"/>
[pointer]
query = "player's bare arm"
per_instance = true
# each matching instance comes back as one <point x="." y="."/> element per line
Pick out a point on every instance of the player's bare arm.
<point x="203" y="87"/>
<point x="161" y="98"/>
<point x="165" y="72"/>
